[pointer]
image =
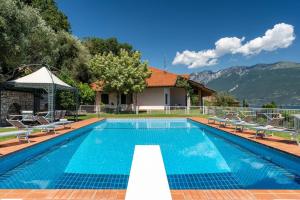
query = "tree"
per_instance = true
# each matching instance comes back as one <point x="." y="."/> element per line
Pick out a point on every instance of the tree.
<point x="245" y="103"/>
<point x="72" y="57"/>
<point x="270" y="105"/>
<point x="182" y="82"/>
<point x="124" y="73"/>
<point x="100" y="46"/>
<point x="87" y="95"/>
<point x="67" y="99"/>
<point x="224" y="99"/>
<point x="24" y="37"/>
<point x="49" y="11"/>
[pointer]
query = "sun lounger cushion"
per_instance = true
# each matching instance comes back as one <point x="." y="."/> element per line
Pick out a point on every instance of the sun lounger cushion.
<point x="263" y="129"/>
<point x="10" y="133"/>
<point x="24" y="133"/>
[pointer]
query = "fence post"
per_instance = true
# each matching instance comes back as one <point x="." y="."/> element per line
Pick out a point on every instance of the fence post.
<point x="96" y="110"/>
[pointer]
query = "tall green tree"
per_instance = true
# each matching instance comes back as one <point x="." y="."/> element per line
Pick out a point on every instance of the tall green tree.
<point x="67" y="99"/>
<point x="124" y="73"/>
<point x="224" y="99"/>
<point x="87" y="95"/>
<point x="72" y="57"/>
<point x="99" y="46"/>
<point x="24" y="37"/>
<point x="245" y="103"/>
<point x="49" y="11"/>
<point x="270" y="105"/>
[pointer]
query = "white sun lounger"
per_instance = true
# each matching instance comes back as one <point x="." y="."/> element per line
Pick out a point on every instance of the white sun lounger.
<point x="47" y="128"/>
<point x="21" y="134"/>
<point x="212" y="120"/>
<point x="241" y="125"/>
<point x="263" y="131"/>
<point x="62" y="122"/>
<point x="21" y="126"/>
<point x="222" y="121"/>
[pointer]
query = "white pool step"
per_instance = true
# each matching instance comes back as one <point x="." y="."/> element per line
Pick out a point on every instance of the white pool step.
<point x="148" y="179"/>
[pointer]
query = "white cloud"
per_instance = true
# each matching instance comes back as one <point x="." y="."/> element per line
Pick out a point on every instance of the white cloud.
<point x="280" y="36"/>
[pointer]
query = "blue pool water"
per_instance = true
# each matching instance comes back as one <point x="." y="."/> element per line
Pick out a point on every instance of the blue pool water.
<point x="195" y="157"/>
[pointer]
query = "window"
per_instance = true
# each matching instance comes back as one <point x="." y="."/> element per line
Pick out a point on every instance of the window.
<point x="166" y="99"/>
<point x="104" y="98"/>
<point x="129" y="99"/>
<point x="123" y="99"/>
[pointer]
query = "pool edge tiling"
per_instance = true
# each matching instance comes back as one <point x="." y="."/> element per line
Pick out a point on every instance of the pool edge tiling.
<point x="59" y="194"/>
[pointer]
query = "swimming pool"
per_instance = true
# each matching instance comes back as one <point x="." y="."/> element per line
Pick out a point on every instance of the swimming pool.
<point x="195" y="157"/>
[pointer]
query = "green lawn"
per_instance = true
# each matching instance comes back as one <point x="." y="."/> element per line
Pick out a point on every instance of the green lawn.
<point x="6" y="130"/>
<point x="11" y="129"/>
<point x="285" y="135"/>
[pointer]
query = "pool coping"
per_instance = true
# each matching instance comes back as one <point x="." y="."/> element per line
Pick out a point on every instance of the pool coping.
<point x="238" y="134"/>
<point x="51" y="136"/>
<point x="65" y="194"/>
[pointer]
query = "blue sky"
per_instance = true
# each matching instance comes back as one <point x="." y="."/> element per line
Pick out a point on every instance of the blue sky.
<point x="161" y="28"/>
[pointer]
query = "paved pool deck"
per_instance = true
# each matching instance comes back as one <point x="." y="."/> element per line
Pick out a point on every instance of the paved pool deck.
<point x="10" y="146"/>
<point x="279" y="143"/>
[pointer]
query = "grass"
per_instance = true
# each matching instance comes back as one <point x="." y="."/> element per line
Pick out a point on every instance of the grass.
<point x="6" y="130"/>
<point x="11" y="129"/>
<point x="285" y="135"/>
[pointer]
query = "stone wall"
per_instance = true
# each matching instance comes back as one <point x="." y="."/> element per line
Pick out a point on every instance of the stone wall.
<point x="13" y="99"/>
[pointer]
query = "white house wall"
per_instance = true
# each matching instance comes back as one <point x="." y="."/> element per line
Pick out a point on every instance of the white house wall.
<point x="153" y="98"/>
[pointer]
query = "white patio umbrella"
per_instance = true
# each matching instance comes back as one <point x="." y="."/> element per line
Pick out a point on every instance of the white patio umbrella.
<point x="43" y="79"/>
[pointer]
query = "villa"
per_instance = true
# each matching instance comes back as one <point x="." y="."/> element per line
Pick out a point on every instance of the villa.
<point x="147" y="158"/>
<point x="161" y="91"/>
<point x="84" y="117"/>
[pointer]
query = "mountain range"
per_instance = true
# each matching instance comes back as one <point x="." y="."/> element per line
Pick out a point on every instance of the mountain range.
<point x="257" y="84"/>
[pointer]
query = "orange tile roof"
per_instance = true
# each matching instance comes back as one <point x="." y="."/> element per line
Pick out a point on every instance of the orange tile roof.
<point x="97" y="86"/>
<point x="159" y="78"/>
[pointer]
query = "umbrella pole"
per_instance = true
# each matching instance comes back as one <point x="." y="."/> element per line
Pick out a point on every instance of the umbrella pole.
<point x="77" y="102"/>
<point x="51" y="102"/>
